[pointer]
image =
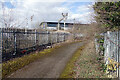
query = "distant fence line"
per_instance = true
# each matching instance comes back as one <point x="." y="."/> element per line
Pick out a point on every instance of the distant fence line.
<point x="22" y="41"/>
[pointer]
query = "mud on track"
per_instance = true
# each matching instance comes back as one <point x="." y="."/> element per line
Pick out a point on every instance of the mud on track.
<point x="49" y="66"/>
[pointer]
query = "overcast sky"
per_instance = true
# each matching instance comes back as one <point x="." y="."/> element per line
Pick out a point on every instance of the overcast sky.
<point x="49" y="10"/>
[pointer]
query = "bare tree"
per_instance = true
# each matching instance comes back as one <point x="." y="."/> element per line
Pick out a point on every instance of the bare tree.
<point x="8" y="18"/>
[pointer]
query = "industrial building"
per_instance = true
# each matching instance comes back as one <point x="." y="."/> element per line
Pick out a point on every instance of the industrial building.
<point x="54" y="26"/>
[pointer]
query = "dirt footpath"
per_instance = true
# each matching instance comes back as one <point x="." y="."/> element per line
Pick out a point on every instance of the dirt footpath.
<point x="49" y="66"/>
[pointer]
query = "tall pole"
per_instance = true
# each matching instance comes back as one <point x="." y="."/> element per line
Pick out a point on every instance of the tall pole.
<point x="64" y="24"/>
<point x="64" y="18"/>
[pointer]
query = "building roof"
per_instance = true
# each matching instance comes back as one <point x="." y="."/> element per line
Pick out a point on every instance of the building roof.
<point x="53" y="22"/>
<point x="57" y="23"/>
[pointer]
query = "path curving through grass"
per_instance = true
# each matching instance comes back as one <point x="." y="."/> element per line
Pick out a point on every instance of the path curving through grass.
<point x="50" y="66"/>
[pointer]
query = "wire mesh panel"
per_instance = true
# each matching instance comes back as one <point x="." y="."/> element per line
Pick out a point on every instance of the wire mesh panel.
<point x="60" y="37"/>
<point x="43" y="38"/>
<point x="8" y="40"/>
<point x="17" y="42"/>
<point x="111" y="45"/>
<point x="54" y="38"/>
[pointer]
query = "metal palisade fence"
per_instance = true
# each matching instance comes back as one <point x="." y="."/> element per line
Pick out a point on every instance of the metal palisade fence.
<point x="17" y="42"/>
<point x="111" y="53"/>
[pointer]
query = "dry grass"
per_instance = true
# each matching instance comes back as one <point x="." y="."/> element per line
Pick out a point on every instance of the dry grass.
<point x="88" y="66"/>
<point x="84" y="64"/>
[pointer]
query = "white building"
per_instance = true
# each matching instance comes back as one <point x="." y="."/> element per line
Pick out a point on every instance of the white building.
<point x="54" y="25"/>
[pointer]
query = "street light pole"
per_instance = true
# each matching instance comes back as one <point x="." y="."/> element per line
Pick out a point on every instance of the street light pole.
<point x="64" y="18"/>
<point x="64" y="24"/>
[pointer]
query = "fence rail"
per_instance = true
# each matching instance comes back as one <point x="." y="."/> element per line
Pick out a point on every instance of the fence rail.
<point x="17" y="42"/>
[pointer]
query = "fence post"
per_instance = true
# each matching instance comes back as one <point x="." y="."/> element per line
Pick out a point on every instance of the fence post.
<point x="15" y="46"/>
<point x="1" y="44"/>
<point x="64" y="37"/>
<point x="35" y="37"/>
<point x="48" y="37"/>
<point x="26" y="35"/>
<point x="51" y="38"/>
<point x="1" y="48"/>
<point x="57" y="38"/>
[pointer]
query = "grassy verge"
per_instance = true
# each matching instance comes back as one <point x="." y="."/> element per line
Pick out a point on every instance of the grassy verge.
<point x="17" y="63"/>
<point x="89" y="64"/>
<point x="69" y="69"/>
<point x="85" y="63"/>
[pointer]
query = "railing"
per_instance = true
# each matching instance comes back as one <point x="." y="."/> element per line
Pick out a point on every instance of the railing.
<point x="18" y="42"/>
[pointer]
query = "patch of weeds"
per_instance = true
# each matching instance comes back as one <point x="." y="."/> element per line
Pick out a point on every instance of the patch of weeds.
<point x="102" y="66"/>
<point x="100" y="41"/>
<point x="98" y="36"/>
<point x="102" y="49"/>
